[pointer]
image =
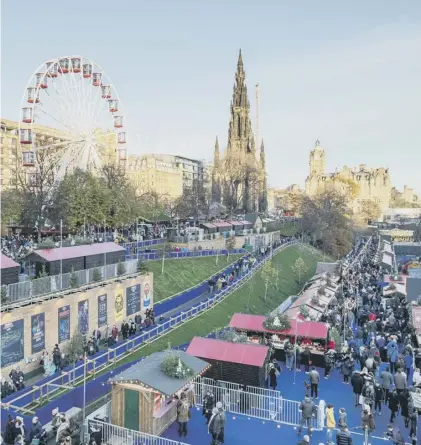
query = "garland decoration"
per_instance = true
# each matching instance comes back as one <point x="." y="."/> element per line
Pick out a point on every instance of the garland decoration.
<point x="232" y="336"/>
<point x="278" y="322"/>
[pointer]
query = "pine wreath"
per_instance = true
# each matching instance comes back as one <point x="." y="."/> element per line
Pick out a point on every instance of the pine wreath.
<point x="279" y="322"/>
<point x="174" y="367"/>
<point x="233" y="336"/>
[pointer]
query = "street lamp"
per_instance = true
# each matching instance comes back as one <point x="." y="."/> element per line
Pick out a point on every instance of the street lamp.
<point x="297" y="320"/>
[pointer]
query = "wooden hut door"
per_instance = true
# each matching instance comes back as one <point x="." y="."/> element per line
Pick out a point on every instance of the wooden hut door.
<point x="131" y="410"/>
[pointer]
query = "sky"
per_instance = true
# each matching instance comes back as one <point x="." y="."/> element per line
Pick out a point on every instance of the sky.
<point x="346" y="73"/>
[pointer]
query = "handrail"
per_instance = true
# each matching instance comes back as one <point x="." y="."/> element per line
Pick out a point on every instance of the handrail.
<point x="113" y="356"/>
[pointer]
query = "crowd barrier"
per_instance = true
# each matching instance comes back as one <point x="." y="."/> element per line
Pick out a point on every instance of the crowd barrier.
<point x="157" y="255"/>
<point x="50" y="387"/>
<point x="145" y="243"/>
<point x="114" y="434"/>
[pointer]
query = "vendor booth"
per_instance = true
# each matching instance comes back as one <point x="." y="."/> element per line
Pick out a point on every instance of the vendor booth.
<point x="143" y="397"/>
<point x="245" y="364"/>
<point x="416" y="321"/>
<point x="223" y="227"/>
<point x="311" y="334"/>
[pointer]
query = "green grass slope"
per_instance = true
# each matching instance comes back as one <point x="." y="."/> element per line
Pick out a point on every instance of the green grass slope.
<point x="249" y="298"/>
<point x="181" y="274"/>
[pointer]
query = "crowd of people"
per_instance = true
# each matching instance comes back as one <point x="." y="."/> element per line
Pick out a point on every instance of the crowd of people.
<point x="376" y="356"/>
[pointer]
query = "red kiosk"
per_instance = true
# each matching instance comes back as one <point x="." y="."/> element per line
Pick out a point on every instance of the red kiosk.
<point x="310" y="333"/>
<point x="245" y="364"/>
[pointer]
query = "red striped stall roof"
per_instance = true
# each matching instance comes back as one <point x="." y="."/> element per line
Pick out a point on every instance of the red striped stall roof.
<point x="7" y="263"/>
<point x="226" y="351"/>
<point x="209" y="225"/>
<point x="254" y="323"/>
<point x="222" y="224"/>
<point x="65" y="253"/>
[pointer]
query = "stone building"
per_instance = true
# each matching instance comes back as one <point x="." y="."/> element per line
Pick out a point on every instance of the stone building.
<point x="370" y="184"/>
<point x="240" y="162"/>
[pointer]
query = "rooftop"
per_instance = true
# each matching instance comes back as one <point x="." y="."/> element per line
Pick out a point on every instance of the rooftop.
<point x="65" y="253"/>
<point x="148" y="372"/>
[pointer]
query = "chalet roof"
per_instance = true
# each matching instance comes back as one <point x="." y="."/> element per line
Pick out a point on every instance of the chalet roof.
<point x="7" y="263"/>
<point x="65" y="253"/>
<point x="148" y="372"/>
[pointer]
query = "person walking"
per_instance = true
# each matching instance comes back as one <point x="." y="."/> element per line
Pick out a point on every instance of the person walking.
<point x="305" y="440"/>
<point x="217" y="424"/>
<point x="208" y="405"/>
<point x="342" y="420"/>
<point x="367" y="422"/>
<point x="378" y="398"/>
<point x="314" y="377"/>
<point x="330" y="423"/>
<point x="400" y="381"/>
<point x="343" y="437"/>
<point x="357" y="383"/>
<point x="308" y="409"/>
<point x="409" y="361"/>
<point x="393" y="404"/>
<point x="386" y="379"/>
<point x="183" y="414"/>
<point x="273" y="381"/>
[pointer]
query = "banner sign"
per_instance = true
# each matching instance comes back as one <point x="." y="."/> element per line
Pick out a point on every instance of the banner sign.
<point x="83" y="316"/>
<point x="63" y="323"/>
<point x="102" y="310"/>
<point x="132" y="300"/>
<point x="12" y="343"/>
<point x="38" y="332"/>
<point x="147" y="295"/>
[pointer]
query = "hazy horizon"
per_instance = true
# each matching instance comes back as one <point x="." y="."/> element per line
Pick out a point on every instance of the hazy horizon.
<point x="346" y="74"/>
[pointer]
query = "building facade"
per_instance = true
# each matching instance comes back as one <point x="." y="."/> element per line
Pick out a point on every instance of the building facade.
<point x="240" y="165"/>
<point x="369" y="184"/>
<point x="12" y="168"/>
<point x="157" y="174"/>
<point x="286" y="200"/>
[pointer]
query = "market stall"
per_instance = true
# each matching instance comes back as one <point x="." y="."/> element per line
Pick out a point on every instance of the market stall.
<point x="416" y="321"/>
<point x="309" y="333"/>
<point x="143" y="397"/>
<point x="245" y="364"/>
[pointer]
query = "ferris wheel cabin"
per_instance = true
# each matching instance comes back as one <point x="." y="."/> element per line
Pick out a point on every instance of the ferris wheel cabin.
<point x="64" y="66"/>
<point x="87" y="70"/>
<point x="26" y="136"/>
<point x="106" y="91"/>
<point x="121" y="138"/>
<point x="27" y="115"/>
<point x="122" y="154"/>
<point x="76" y="65"/>
<point x="52" y="69"/>
<point x="41" y="81"/>
<point x="28" y="158"/>
<point x="33" y="95"/>
<point x="96" y="79"/>
<point x="118" y="121"/>
<point x="113" y="105"/>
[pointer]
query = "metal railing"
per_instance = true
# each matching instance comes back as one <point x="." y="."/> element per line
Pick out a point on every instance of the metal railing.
<point x="27" y="290"/>
<point x="117" y="435"/>
<point x="51" y="389"/>
<point x="31" y="289"/>
<point x="255" y="402"/>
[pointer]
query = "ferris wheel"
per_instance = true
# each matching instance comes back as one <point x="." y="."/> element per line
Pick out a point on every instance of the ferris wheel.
<point x="71" y="110"/>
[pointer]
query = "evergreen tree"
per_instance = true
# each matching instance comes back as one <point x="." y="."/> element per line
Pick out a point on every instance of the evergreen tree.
<point x="75" y="349"/>
<point x="121" y="268"/>
<point x="96" y="275"/>
<point x="142" y="266"/>
<point x="74" y="279"/>
<point x="4" y="298"/>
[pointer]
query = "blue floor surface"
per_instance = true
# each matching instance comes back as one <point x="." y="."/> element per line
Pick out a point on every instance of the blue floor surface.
<point x="244" y="430"/>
